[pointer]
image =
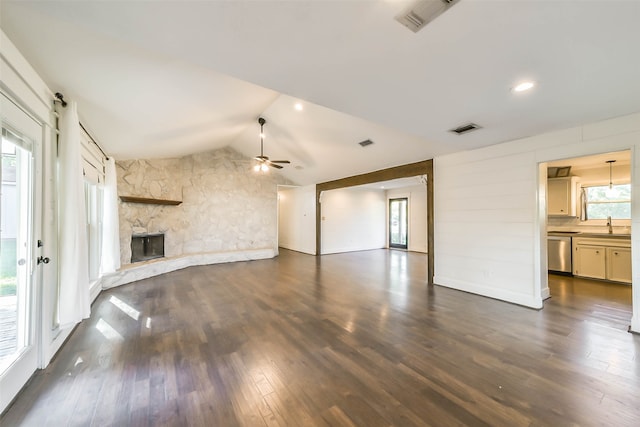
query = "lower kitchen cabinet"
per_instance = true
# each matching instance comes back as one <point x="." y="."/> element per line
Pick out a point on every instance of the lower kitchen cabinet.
<point x="619" y="264"/>
<point x="601" y="258"/>
<point x="589" y="261"/>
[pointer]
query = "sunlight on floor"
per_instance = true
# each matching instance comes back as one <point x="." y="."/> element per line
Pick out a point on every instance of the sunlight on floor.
<point x="126" y="308"/>
<point x="108" y="332"/>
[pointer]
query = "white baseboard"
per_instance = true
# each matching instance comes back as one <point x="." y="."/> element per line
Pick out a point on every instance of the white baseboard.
<point x="133" y="272"/>
<point x="635" y="325"/>
<point x="342" y="250"/>
<point x="546" y="293"/>
<point x="499" y="294"/>
<point x="95" y="289"/>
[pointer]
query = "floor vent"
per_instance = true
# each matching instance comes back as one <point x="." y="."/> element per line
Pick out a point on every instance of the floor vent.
<point x="469" y="127"/>
<point x="422" y="12"/>
<point x="365" y="143"/>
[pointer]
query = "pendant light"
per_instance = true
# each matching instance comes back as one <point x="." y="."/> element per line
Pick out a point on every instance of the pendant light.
<point x="611" y="193"/>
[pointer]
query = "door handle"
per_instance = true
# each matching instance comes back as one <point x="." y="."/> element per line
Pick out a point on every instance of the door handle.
<point x="22" y="261"/>
<point x="43" y="260"/>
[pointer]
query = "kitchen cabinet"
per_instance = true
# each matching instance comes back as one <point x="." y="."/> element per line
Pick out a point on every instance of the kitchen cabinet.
<point x="619" y="264"/>
<point x="589" y="261"/>
<point x="562" y="196"/>
<point x="602" y="258"/>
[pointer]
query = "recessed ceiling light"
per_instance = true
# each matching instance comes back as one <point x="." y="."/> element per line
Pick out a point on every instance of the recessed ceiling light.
<point x="523" y="87"/>
<point x="298" y="106"/>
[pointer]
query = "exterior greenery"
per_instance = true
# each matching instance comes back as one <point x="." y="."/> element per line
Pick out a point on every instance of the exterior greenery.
<point x="603" y="202"/>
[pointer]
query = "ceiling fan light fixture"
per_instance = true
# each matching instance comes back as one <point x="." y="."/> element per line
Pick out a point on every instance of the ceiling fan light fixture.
<point x="263" y="161"/>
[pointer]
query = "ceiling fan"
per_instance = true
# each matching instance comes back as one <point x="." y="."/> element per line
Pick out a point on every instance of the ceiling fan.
<point x="263" y="161"/>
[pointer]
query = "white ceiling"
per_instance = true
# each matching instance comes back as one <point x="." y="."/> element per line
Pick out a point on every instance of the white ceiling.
<point x="621" y="158"/>
<point x="160" y="79"/>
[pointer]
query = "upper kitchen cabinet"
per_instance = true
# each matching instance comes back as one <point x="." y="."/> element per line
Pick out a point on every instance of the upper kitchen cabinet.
<point x="562" y="196"/>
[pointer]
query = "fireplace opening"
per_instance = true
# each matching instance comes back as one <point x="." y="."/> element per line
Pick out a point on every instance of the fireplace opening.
<point x="147" y="246"/>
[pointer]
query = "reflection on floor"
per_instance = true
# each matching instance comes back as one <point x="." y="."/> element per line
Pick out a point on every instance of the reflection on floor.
<point x="605" y="301"/>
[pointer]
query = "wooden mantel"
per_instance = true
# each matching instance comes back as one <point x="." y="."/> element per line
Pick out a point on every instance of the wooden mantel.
<point x="148" y="201"/>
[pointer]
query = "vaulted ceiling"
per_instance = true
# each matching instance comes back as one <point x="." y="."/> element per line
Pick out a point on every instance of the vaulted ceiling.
<point x="164" y="79"/>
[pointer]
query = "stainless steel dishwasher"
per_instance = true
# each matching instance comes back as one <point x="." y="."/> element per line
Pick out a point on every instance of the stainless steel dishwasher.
<point x="559" y="252"/>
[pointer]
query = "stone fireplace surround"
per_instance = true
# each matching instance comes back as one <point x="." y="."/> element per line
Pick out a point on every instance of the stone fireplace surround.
<point x="228" y="213"/>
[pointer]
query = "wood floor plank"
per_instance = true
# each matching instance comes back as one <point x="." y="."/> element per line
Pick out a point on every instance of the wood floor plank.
<point x="354" y="339"/>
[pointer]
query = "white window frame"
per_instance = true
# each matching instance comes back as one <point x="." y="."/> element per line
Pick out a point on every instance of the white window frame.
<point x="603" y="221"/>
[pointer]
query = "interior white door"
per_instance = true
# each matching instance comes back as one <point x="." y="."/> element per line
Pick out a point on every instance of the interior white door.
<point x="19" y="226"/>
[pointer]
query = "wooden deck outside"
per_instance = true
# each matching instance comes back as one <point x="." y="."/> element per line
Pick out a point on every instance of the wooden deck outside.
<point x="7" y="326"/>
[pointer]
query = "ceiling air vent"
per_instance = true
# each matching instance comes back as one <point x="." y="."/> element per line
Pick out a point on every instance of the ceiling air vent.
<point x="465" y="128"/>
<point x="422" y="12"/>
<point x="365" y="143"/>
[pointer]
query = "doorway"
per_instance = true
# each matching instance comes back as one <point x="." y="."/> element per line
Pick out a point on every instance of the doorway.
<point x="589" y="207"/>
<point x="19" y="224"/>
<point x="398" y="224"/>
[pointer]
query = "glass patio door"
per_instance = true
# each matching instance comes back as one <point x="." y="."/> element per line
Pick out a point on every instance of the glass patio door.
<point x="18" y="296"/>
<point x="398" y="227"/>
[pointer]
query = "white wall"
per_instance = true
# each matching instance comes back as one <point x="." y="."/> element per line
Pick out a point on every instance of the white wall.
<point x="353" y="219"/>
<point x="490" y="211"/>
<point x="297" y="218"/>
<point x="417" y="196"/>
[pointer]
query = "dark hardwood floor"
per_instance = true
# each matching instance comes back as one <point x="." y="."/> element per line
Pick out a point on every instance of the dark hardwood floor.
<point x="353" y="339"/>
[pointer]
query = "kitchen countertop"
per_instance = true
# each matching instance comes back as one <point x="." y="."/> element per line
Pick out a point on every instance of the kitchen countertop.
<point x="588" y="234"/>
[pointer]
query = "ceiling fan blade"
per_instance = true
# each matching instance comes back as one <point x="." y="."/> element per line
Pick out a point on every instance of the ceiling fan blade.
<point x="280" y="161"/>
<point x="261" y="158"/>
<point x="273" y="165"/>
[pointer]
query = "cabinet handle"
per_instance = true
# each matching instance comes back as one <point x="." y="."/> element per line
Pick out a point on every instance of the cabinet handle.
<point x="615" y="253"/>
<point x="597" y="252"/>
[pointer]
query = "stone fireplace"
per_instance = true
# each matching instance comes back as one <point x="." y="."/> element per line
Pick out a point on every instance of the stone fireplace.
<point x="147" y="246"/>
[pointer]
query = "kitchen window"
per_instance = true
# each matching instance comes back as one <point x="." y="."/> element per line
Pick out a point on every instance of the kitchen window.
<point x="602" y="201"/>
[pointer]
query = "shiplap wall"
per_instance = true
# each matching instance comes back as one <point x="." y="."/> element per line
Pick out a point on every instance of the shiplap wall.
<point x="485" y="212"/>
<point x="490" y="222"/>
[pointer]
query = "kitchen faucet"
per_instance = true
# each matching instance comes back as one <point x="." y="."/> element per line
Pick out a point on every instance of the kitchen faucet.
<point x="609" y="224"/>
